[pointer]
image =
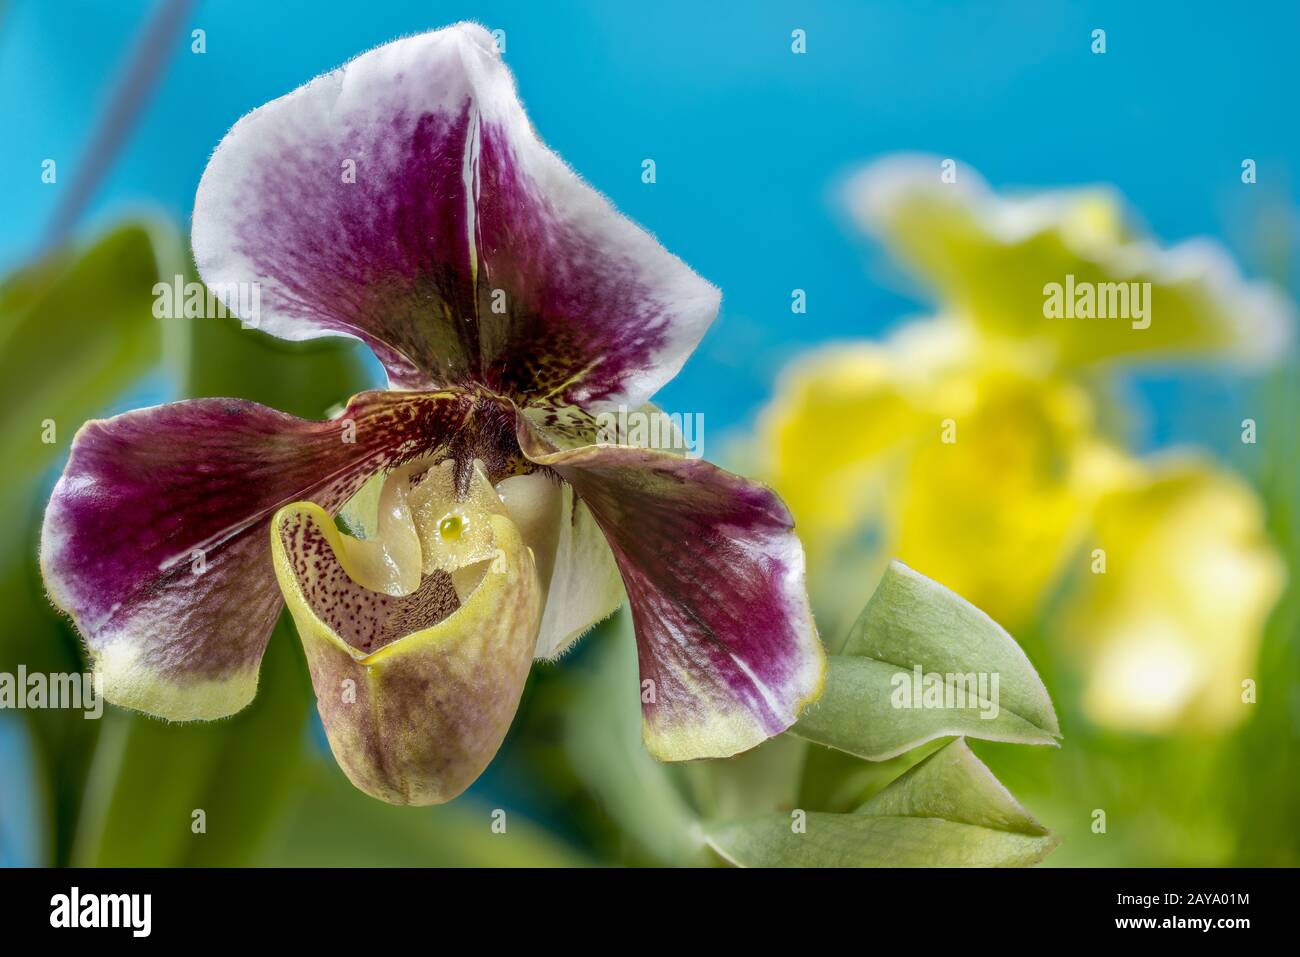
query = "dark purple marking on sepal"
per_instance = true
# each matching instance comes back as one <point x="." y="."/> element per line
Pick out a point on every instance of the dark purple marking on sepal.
<point x="157" y="532"/>
<point x="464" y="251"/>
<point x="715" y="580"/>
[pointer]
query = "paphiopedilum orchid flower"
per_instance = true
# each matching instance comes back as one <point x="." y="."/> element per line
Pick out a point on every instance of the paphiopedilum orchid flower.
<point x="404" y="200"/>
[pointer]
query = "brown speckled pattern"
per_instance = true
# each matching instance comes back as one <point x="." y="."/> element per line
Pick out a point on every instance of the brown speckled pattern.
<point x="365" y="619"/>
<point x="418" y="721"/>
<point x="144" y="491"/>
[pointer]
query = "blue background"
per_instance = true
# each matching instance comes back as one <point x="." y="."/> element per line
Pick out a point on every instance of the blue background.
<point x="749" y="139"/>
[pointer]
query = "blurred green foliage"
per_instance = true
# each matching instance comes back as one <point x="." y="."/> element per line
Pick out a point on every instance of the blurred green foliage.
<point x="75" y="330"/>
<point x="793" y="803"/>
<point x="948" y="810"/>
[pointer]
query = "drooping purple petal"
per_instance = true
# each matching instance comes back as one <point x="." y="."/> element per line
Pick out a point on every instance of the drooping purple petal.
<point x="714" y="575"/>
<point x="596" y="312"/>
<point x="462" y="249"/>
<point x="155" y="539"/>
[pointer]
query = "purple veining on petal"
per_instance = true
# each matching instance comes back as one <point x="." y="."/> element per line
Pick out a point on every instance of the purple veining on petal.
<point x="386" y="258"/>
<point x="580" y="317"/>
<point x="714" y="577"/>
<point x="464" y="250"/>
<point x="151" y="496"/>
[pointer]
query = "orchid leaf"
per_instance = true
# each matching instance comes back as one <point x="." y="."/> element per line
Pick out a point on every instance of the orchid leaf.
<point x="328" y="823"/>
<point x="765" y="778"/>
<point x="857" y="714"/>
<point x="603" y="744"/>
<point x="922" y="663"/>
<point x="76" y="329"/>
<point x="201" y="793"/>
<point x="947" y="811"/>
<point x="306" y="379"/>
<point x="62" y="740"/>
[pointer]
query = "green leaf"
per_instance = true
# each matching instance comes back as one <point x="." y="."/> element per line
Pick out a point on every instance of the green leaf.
<point x="308" y="379"/>
<point x="765" y="778"/>
<point x="329" y="823"/>
<point x="150" y="777"/>
<point x="604" y="747"/>
<point x="62" y="740"/>
<point x="953" y="784"/>
<point x="76" y="329"/>
<point x="948" y="811"/>
<point x="974" y="680"/>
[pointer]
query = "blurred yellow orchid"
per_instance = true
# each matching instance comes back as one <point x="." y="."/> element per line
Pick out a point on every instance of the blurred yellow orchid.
<point x="966" y="460"/>
<point x="989" y="258"/>
<point x="1169" y="632"/>
<point x="970" y="446"/>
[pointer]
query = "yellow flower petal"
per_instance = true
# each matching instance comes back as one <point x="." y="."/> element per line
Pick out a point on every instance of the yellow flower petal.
<point x="968" y="461"/>
<point x="994" y="512"/>
<point x="1171" y="629"/>
<point x="990" y="259"/>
